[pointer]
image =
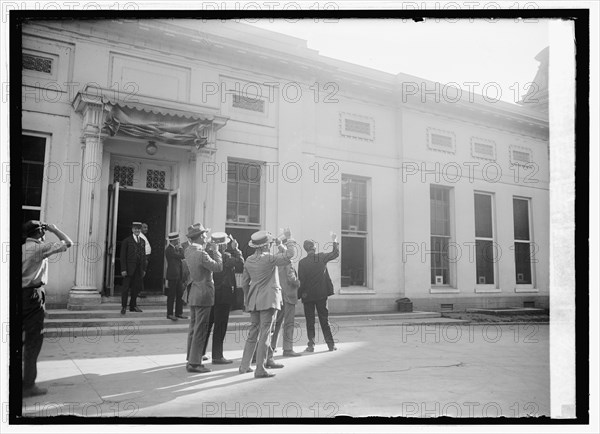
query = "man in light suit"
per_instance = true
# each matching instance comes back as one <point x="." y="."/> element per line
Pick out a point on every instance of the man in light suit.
<point x="133" y="267"/>
<point x="285" y="317"/>
<point x="201" y="296"/>
<point x="262" y="297"/>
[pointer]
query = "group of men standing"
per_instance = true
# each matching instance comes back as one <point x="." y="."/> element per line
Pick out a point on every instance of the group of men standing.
<point x="200" y="271"/>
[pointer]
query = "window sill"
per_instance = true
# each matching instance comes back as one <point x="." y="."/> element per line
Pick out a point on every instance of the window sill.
<point x="443" y="290"/>
<point x="356" y="290"/>
<point x="486" y="289"/>
<point x="526" y="288"/>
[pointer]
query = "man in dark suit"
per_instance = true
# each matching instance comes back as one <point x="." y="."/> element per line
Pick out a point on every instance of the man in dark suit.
<point x="224" y="286"/>
<point x="315" y="287"/>
<point x="174" y="255"/>
<point x="133" y="267"/>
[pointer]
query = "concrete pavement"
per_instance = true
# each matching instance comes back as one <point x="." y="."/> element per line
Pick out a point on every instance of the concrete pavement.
<point x="382" y="368"/>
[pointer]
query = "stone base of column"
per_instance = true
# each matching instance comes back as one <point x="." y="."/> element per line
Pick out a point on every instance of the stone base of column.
<point x="83" y="298"/>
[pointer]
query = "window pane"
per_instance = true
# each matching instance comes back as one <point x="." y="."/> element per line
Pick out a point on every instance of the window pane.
<point x="521" y="219"/>
<point x="232" y="192"/>
<point x="254" y="214"/>
<point x="439" y="211"/>
<point x="440" y="266"/>
<point x="523" y="263"/>
<point x="242" y="209"/>
<point x="345" y="221"/>
<point x="33" y="148"/>
<point x="354" y="253"/>
<point x="231" y="211"/>
<point x="485" y="262"/>
<point x="483" y="216"/>
<point x="362" y="223"/>
<point x="243" y="192"/>
<point x="255" y="194"/>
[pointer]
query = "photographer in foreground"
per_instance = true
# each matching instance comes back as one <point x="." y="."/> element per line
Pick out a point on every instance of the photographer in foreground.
<point x="34" y="276"/>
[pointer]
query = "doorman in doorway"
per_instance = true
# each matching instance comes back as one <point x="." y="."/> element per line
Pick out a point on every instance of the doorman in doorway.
<point x="133" y="265"/>
<point x="148" y="251"/>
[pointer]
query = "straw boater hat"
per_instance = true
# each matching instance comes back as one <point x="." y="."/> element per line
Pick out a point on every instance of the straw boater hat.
<point x="173" y="236"/>
<point x="195" y="230"/>
<point x="260" y="238"/>
<point x="220" y="238"/>
<point x="136" y="225"/>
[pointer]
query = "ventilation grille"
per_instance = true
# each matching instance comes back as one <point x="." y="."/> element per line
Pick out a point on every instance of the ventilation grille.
<point x="446" y="307"/>
<point x="529" y="304"/>
<point x="521" y="157"/>
<point x="441" y="141"/>
<point x="252" y="104"/>
<point x="155" y="179"/>
<point x="123" y="175"/>
<point x="484" y="150"/>
<point x="358" y="127"/>
<point x="37" y="63"/>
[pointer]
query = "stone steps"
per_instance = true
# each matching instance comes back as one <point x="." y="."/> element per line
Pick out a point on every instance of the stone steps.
<point x="62" y="323"/>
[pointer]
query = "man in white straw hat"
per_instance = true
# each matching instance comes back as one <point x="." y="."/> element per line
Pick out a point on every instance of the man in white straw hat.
<point x="262" y="298"/>
<point x="175" y="257"/>
<point x="201" y="295"/>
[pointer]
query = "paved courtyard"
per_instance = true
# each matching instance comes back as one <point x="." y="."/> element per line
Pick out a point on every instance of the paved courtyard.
<point x="380" y="369"/>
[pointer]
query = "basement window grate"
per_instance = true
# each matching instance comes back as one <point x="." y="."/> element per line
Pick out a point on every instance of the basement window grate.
<point x="446" y="307"/>
<point x="529" y="304"/>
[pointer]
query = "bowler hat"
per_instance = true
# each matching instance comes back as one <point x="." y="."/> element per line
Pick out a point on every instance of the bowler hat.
<point x="196" y="229"/>
<point x="260" y="238"/>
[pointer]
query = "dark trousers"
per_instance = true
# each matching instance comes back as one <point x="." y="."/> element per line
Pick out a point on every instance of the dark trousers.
<point x="33" y="337"/>
<point x="219" y="316"/>
<point x="323" y="313"/>
<point x="133" y="282"/>
<point x="174" y="294"/>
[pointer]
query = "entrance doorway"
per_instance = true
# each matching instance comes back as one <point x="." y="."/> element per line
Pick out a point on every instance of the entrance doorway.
<point x="148" y="207"/>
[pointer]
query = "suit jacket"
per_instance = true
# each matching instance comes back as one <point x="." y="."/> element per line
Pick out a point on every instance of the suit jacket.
<point x="132" y="255"/>
<point x="315" y="283"/>
<point x="288" y="279"/>
<point x="174" y="257"/>
<point x="225" y="280"/>
<point x="202" y="266"/>
<point x="260" y="280"/>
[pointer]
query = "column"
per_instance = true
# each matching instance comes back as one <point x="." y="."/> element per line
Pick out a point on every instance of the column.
<point x="207" y="172"/>
<point x="90" y="253"/>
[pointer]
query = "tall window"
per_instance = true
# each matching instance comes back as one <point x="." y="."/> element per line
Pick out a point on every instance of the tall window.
<point x="440" y="234"/>
<point x="354" y="231"/>
<point x="33" y="152"/>
<point x="523" y="241"/>
<point x="243" y="201"/>
<point x="484" y="239"/>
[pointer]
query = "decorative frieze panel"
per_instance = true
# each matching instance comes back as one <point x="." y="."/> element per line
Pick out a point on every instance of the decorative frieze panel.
<point x="247" y="103"/>
<point x="520" y="155"/>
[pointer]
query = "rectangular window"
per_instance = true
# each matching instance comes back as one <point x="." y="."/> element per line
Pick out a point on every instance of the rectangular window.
<point x="244" y="194"/>
<point x="33" y="153"/>
<point x="484" y="239"/>
<point x="523" y="241"/>
<point x="354" y="231"/>
<point x="440" y="234"/>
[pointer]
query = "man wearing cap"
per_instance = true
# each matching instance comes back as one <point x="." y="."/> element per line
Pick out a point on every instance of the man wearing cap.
<point x="133" y="267"/>
<point x="175" y="257"/>
<point x="315" y="287"/>
<point x="224" y="286"/>
<point x="262" y="298"/>
<point x="201" y="293"/>
<point x="34" y="276"/>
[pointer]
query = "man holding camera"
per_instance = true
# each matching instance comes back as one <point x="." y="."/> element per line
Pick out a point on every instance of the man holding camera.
<point x="34" y="276"/>
<point x="262" y="298"/>
<point x="315" y="287"/>
<point x="202" y="259"/>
